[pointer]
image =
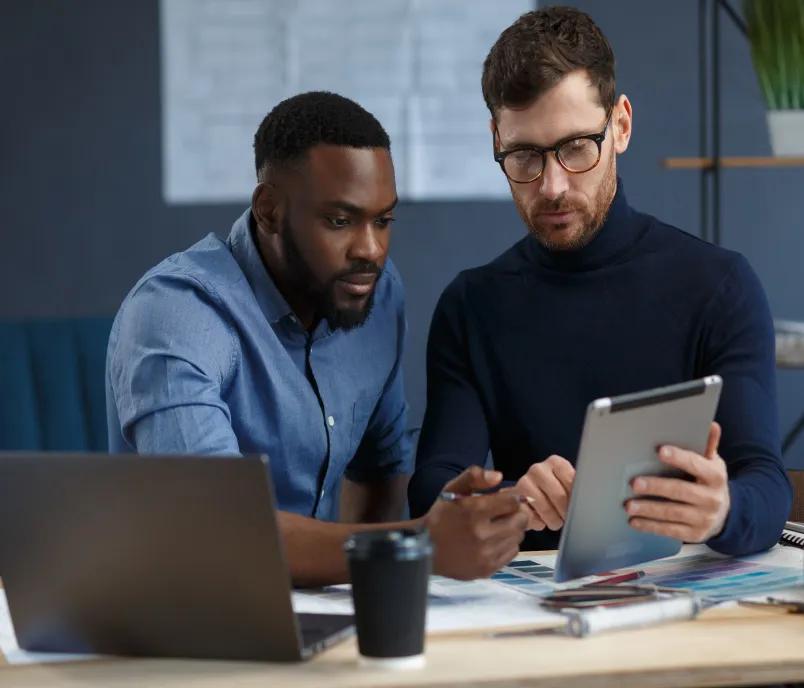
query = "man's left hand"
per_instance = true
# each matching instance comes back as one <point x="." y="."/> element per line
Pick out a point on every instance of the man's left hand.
<point x="696" y="511"/>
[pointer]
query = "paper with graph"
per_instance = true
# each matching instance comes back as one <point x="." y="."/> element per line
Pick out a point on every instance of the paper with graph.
<point x="415" y="64"/>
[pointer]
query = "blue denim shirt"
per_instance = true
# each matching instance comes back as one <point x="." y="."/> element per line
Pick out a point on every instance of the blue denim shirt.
<point x="206" y="357"/>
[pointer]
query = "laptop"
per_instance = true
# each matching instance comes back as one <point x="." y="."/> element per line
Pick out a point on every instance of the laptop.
<point x="173" y="556"/>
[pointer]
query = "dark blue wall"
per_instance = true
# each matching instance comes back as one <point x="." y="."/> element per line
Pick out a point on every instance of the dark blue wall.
<point x="82" y="214"/>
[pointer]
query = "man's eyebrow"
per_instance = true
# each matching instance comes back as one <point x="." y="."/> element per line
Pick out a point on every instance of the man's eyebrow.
<point x="357" y="210"/>
<point x="530" y="144"/>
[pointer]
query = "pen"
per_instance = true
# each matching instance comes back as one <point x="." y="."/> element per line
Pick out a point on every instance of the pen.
<point x="448" y="496"/>
<point x="620" y="578"/>
<point x="791" y="606"/>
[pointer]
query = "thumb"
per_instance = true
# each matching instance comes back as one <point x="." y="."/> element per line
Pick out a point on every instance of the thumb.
<point x="713" y="441"/>
<point x="473" y="478"/>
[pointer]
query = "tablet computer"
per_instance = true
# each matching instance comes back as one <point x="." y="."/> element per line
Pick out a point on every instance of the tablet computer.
<point x="620" y="439"/>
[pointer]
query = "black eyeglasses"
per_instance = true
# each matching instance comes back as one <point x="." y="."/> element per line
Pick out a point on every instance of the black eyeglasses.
<point x="577" y="154"/>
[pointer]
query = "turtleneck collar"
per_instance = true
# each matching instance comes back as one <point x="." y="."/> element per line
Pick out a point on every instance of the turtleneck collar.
<point x="620" y="231"/>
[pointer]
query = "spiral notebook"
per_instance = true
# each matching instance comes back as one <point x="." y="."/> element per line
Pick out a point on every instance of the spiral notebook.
<point x="793" y="534"/>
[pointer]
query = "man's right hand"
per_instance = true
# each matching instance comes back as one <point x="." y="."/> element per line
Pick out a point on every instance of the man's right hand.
<point x="475" y="535"/>
<point x="549" y="484"/>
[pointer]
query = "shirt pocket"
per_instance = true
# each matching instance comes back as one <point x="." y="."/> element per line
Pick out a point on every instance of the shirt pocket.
<point x="362" y="411"/>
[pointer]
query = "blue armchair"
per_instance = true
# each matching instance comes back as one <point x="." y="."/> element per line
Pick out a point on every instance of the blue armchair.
<point x="52" y="394"/>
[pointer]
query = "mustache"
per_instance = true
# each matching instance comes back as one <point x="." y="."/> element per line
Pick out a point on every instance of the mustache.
<point x="559" y="205"/>
<point x="361" y="267"/>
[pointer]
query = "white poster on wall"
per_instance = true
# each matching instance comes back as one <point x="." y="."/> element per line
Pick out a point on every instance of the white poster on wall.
<point x="415" y="64"/>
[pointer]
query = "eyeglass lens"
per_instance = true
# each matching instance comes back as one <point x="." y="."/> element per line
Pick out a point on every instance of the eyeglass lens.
<point x="577" y="155"/>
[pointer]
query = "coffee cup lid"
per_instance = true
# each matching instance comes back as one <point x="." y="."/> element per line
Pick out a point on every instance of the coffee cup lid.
<point x="393" y="544"/>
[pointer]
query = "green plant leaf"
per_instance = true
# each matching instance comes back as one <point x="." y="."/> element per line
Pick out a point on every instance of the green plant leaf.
<point x="776" y="36"/>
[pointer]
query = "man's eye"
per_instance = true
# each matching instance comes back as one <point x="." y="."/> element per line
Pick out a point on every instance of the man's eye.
<point x="383" y="221"/>
<point x="338" y="222"/>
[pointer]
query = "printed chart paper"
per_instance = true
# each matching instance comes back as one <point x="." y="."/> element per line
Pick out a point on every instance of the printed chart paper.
<point x="415" y="64"/>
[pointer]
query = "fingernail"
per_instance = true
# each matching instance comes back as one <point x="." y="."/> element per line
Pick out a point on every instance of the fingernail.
<point x="491" y="475"/>
<point x="666" y="452"/>
<point x="639" y="484"/>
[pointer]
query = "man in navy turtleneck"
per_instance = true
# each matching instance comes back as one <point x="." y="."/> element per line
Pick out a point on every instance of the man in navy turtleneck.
<point x="598" y="300"/>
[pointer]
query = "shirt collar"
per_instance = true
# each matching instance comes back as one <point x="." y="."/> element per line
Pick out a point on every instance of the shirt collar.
<point x="244" y="249"/>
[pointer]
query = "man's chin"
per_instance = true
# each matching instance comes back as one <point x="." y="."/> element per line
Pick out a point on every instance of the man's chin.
<point x="349" y="317"/>
<point x="559" y="237"/>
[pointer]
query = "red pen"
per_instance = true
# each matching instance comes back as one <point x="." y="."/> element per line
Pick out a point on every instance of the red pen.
<point x="620" y="578"/>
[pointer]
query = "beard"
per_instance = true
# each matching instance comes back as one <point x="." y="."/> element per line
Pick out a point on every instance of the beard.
<point x="584" y="226"/>
<point x="322" y="294"/>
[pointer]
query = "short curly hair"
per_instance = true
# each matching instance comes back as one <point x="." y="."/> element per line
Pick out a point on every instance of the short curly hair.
<point x="297" y="124"/>
<point x="541" y="48"/>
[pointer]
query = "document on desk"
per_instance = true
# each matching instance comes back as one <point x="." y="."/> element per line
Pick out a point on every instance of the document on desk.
<point x="720" y="578"/>
<point x="452" y="605"/>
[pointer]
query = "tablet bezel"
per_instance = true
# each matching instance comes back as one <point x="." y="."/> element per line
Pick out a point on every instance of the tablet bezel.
<point x="596" y="536"/>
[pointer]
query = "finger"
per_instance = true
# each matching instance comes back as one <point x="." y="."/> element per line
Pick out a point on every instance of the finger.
<point x="689" y="462"/>
<point x="505" y="526"/>
<point x="535" y="522"/>
<point x="674" y="489"/>
<point x="473" y="478"/>
<point x="495" y="505"/>
<point x="542" y="505"/>
<point x="565" y="472"/>
<point x="505" y="552"/>
<point x="556" y="493"/>
<point x="678" y="531"/>
<point x="673" y="512"/>
<point x="715" y="433"/>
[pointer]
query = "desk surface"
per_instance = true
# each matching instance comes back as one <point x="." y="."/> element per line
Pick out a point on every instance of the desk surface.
<point x="728" y="646"/>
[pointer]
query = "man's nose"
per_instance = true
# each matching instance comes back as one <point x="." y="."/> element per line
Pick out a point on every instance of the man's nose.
<point x="368" y="244"/>
<point x="554" y="180"/>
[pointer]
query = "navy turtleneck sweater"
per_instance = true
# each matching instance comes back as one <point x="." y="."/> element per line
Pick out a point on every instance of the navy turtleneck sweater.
<point x="519" y="347"/>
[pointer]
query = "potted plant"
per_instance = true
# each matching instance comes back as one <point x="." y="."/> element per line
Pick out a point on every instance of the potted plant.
<point x="776" y="35"/>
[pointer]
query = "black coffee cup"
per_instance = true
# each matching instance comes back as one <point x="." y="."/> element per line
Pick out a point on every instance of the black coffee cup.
<point x="390" y="571"/>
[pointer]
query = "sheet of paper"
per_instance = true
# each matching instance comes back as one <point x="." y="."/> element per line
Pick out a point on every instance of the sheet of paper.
<point x="720" y="578"/>
<point x="415" y="64"/>
<point x="13" y="653"/>
<point x="452" y="605"/>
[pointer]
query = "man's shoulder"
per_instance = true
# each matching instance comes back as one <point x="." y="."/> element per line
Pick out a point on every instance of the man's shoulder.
<point x="510" y="262"/>
<point x="184" y="292"/>
<point x="685" y="245"/>
<point x="696" y="258"/>
<point x="208" y="265"/>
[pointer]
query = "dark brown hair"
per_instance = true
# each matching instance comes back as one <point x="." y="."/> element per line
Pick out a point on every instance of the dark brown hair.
<point x="541" y="48"/>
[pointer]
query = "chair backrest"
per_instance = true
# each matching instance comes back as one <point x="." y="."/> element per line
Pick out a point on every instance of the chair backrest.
<point x="52" y="392"/>
<point x="797" y="479"/>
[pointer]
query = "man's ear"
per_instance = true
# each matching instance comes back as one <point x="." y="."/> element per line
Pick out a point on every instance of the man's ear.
<point x="266" y="208"/>
<point x="622" y="122"/>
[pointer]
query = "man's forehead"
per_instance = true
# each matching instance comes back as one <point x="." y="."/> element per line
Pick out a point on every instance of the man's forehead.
<point x="570" y="107"/>
<point x="361" y="177"/>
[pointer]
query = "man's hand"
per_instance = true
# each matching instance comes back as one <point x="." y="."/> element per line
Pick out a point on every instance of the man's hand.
<point x="476" y="535"/>
<point x="697" y="510"/>
<point x="549" y="484"/>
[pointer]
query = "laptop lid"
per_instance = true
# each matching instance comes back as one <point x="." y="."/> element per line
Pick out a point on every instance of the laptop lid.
<point x="146" y="555"/>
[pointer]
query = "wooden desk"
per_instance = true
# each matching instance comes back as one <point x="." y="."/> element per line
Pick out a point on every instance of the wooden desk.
<point x="730" y="646"/>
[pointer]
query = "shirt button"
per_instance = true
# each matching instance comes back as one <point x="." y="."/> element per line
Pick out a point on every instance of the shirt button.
<point x="331" y="421"/>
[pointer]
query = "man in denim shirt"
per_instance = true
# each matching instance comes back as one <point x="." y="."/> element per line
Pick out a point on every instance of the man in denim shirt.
<point x="286" y="339"/>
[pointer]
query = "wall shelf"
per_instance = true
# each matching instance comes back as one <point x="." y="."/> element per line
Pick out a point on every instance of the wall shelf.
<point x="732" y="162"/>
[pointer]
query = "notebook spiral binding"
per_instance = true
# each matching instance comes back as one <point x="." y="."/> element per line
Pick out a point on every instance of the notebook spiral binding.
<point x="793" y="539"/>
